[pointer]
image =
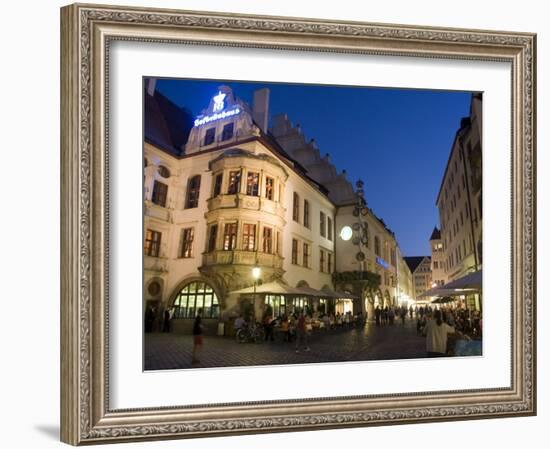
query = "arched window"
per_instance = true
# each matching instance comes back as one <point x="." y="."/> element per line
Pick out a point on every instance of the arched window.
<point x="193" y="190"/>
<point x="194" y="296"/>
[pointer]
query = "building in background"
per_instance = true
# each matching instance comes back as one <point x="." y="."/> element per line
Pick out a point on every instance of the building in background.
<point x="421" y="269"/>
<point x="460" y="198"/>
<point x="460" y="202"/>
<point x="405" y="282"/>
<point x="439" y="276"/>
<point x="368" y="271"/>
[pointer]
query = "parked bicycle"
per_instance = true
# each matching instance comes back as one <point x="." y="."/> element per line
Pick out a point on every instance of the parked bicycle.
<point x="250" y="333"/>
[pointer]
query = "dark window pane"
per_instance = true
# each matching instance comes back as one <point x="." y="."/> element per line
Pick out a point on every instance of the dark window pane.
<point x="218" y="184"/>
<point x="212" y="238"/>
<point x="160" y="191"/>
<point x="193" y="190"/>
<point x="227" y="132"/>
<point x="210" y="136"/>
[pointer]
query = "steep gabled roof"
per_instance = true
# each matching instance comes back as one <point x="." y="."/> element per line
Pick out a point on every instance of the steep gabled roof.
<point x="165" y="124"/>
<point x="414" y="261"/>
<point x="436" y="234"/>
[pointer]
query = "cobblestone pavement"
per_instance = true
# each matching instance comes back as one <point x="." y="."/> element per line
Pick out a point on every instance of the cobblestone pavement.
<point x="173" y="351"/>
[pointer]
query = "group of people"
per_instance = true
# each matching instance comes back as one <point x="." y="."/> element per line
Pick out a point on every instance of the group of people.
<point x="153" y="321"/>
<point x="466" y="321"/>
<point x="299" y="324"/>
<point x="387" y="315"/>
<point x="436" y="325"/>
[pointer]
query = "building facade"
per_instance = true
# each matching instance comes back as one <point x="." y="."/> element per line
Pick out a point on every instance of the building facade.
<point x="460" y="198"/>
<point x="233" y="200"/>
<point x="369" y="271"/>
<point x="421" y="269"/>
<point x="238" y="196"/>
<point x="405" y="281"/>
<point x="439" y="277"/>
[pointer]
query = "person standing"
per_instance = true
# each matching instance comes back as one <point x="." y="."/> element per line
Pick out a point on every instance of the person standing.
<point x="268" y="325"/>
<point x="377" y="313"/>
<point x="301" y="332"/>
<point x="166" y="320"/>
<point x="197" y="338"/>
<point x="436" y="332"/>
<point x="149" y="319"/>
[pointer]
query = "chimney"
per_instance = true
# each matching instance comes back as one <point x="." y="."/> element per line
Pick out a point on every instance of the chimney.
<point x="260" y="108"/>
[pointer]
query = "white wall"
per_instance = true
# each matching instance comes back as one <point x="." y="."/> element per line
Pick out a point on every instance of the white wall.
<point x="30" y="335"/>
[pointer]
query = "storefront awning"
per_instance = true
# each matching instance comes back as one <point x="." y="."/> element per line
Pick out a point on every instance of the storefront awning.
<point x="278" y="288"/>
<point x="471" y="283"/>
<point x="271" y="288"/>
<point x="327" y="293"/>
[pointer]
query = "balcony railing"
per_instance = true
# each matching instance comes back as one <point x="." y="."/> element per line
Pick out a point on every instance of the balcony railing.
<point x="239" y="257"/>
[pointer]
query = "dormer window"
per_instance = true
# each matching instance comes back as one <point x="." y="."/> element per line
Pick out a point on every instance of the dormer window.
<point x="210" y="136"/>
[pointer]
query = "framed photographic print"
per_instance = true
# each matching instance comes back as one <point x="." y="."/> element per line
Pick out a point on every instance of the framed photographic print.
<point x="279" y="224"/>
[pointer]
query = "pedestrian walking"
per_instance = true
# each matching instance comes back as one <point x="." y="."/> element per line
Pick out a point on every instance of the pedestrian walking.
<point x="197" y="338"/>
<point x="301" y="332"/>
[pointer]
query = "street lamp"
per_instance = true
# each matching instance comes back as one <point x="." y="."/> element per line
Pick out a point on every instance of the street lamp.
<point x="346" y="233"/>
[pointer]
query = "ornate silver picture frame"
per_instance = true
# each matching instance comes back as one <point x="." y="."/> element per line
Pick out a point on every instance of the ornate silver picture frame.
<point x="87" y="33"/>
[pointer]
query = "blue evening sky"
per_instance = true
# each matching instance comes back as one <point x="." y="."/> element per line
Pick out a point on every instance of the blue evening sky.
<point x="396" y="140"/>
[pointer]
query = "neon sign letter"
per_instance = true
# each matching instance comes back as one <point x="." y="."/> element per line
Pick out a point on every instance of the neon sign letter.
<point x="217" y="116"/>
<point x="218" y="102"/>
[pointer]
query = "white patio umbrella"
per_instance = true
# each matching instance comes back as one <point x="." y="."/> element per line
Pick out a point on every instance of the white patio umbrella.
<point x="471" y="283"/>
<point x="270" y="288"/>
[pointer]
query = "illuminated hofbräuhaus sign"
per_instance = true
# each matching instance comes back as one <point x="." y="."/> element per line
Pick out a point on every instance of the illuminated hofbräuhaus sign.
<point x="219" y="104"/>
